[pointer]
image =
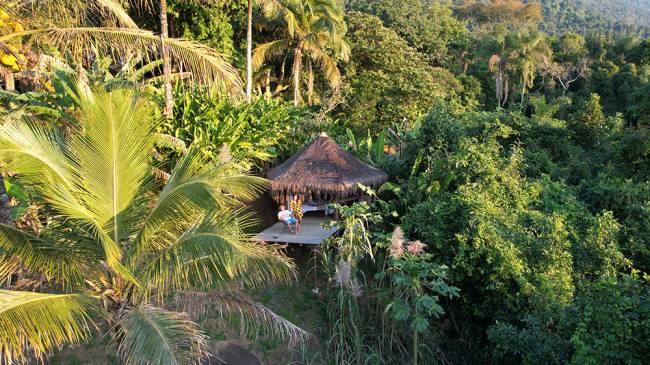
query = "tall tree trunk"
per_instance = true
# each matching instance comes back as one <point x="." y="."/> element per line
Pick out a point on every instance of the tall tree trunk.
<point x="249" y="52"/>
<point x="167" y="67"/>
<point x="5" y="217"/>
<point x="8" y="76"/>
<point x="267" y="83"/>
<point x="565" y="87"/>
<point x="310" y="83"/>
<point x="498" y="87"/>
<point x="415" y="347"/>
<point x="523" y="92"/>
<point x="297" y="65"/>
<point x="283" y="67"/>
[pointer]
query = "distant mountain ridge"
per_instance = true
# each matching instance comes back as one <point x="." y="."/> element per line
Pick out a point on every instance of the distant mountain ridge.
<point x="613" y="17"/>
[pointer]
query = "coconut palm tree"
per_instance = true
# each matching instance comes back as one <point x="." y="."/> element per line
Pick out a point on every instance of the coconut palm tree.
<point x="312" y="28"/>
<point x="249" y="51"/>
<point x="73" y="26"/>
<point x="118" y="244"/>
<point x="528" y="55"/>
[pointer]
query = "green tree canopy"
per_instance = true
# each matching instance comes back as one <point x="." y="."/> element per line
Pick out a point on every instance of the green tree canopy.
<point x="388" y="81"/>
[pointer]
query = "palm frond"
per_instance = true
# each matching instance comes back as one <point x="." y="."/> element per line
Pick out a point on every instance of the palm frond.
<point x="171" y="142"/>
<point x="114" y="9"/>
<point x="30" y="149"/>
<point x="61" y="13"/>
<point x="38" y="323"/>
<point x="95" y="179"/>
<point x="273" y="8"/>
<point x="39" y="155"/>
<point x="63" y="264"/>
<point x="154" y="336"/>
<point x="327" y="64"/>
<point x="149" y="67"/>
<point x="255" y="319"/>
<point x="196" y="186"/>
<point x="207" y="65"/>
<point x="174" y="77"/>
<point x="213" y="254"/>
<point x="112" y="155"/>
<point x="268" y="51"/>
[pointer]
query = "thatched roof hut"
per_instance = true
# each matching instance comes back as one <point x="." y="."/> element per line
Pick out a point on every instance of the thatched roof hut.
<point x="323" y="172"/>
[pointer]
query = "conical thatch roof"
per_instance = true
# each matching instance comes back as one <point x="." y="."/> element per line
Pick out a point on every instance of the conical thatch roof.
<point x="323" y="171"/>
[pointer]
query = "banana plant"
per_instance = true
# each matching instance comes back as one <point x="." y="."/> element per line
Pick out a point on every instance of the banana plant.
<point x="369" y="149"/>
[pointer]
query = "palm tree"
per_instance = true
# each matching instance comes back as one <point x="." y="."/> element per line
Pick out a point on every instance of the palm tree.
<point x="118" y="243"/>
<point x="528" y="54"/>
<point x="497" y="65"/>
<point x="249" y="51"/>
<point x="167" y="67"/>
<point x="518" y="55"/>
<point x="71" y="26"/>
<point x="312" y="28"/>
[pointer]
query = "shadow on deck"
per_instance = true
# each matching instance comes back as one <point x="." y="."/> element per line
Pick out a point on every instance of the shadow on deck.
<point x="311" y="233"/>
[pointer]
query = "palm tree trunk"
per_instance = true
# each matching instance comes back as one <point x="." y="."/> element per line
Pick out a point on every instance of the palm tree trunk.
<point x="167" y="67"/>
<point x="267" y="83"/>
<point x="498" y="86"/>
<point x="5" y="217"/>
<point x="297" y="65"/>
<point x="8" y="76"/>
<point x="282" y="69"/>
<point x="249" y="52"/>
<point x="310" y="83"/>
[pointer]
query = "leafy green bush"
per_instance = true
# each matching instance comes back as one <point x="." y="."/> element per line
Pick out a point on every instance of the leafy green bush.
<point x="260" y="131"/>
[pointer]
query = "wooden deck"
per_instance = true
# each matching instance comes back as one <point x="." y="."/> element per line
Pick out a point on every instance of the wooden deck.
<point x="310" y="234"/>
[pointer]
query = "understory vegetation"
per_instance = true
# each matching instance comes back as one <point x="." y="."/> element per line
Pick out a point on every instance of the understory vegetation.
<point x="514" y="227"/>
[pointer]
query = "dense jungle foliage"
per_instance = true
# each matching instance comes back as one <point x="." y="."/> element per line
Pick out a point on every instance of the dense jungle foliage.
<point x="515" y="225"/>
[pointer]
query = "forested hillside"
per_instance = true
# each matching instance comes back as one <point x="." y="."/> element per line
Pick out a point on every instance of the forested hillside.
<point x="612" y="17"/>
<point x="504" y="215"/>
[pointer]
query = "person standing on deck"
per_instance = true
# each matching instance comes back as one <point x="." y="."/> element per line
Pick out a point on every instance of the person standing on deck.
<point x="296" y="208"/>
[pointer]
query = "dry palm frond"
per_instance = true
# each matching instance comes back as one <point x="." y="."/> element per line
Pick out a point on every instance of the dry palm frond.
<point x="169" y="141"/>
<point x="206" y="64"/>
<point x="161" y="175"/>
<point x="493" y="62"/>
